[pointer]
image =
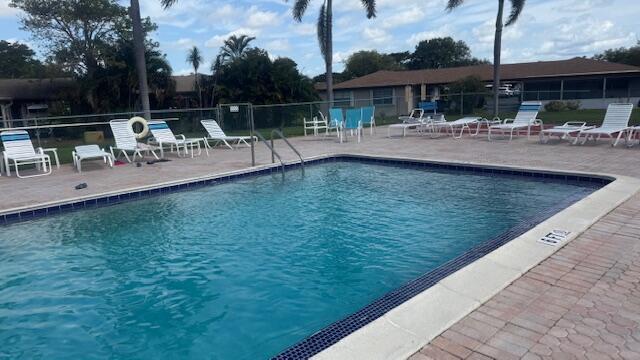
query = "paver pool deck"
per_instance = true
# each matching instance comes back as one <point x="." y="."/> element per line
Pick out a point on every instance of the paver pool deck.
<point x="582" y="302"/>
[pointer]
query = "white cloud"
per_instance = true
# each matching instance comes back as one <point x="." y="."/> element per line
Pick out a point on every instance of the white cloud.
<point x="278" y="45"/>
<point x="258" y="18"/>
<point x="183" y="43"/>
<point x="218" y="40"/>
<point x="376" y="35"/>
<point x="6" y="10"/>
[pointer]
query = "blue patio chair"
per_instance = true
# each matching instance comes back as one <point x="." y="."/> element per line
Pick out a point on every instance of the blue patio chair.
<point x="336" y="121"/>
<point x="428" y="106"/>
<point x="354" y="122"/>
<point x="368" y="117"/>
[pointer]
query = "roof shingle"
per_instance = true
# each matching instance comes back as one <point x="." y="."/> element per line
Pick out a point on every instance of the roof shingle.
<point x="570" y="67"/>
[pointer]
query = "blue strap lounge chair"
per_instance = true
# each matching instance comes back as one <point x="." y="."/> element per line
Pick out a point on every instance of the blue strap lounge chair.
<point x="19" y="150"/>
<point x="162" y="136"/>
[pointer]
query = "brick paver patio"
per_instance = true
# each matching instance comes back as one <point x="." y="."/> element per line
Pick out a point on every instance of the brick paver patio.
<point x="581" y="303"/>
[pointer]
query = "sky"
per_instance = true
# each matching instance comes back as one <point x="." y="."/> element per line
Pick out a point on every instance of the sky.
<point x="546" y="30"/>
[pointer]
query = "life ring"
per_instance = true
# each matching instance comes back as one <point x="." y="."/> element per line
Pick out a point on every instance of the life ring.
<point x="145" y="126"/>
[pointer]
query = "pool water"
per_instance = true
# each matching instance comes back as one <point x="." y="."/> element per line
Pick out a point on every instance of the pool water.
<point x="243" y="270"/>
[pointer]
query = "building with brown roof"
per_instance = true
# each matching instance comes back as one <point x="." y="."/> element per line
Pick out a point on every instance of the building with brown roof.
<point x="592" y="82"/>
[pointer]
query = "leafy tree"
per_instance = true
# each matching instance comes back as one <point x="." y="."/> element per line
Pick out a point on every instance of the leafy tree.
<point x="18" y="61"/>
<point x="235" y="47"/>
<point x="75" y="32"/>
<point x="629" y="56"/>
<point x="402" y="57"/>
<point x="194" y="57"/>
<point x="441" y="53"/>
<point x="325" y="37"/>
<point x="257" y="79"/>
<point x="366" y="62"/>
<point x="516" y="8"/>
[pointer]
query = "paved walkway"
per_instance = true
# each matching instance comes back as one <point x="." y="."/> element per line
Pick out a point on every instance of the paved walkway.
<point x="520" y="152"/>
<point x="581" y="303"/>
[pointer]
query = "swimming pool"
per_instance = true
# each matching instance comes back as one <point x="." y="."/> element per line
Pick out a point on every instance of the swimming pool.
<point x="248" y="268"/>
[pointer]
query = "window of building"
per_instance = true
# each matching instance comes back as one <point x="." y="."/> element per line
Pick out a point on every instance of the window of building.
<point x="582" y="89"/>
<point x="617" y="87"/>
<point x="342" y="98"/>
<point x="542" y="90"/>
<point x="382" y="96"/>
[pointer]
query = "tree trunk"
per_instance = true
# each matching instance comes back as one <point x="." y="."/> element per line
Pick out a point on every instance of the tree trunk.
<point x="497" y="45"/>
<point x="141" y="63"/>
<point x="329" y="55"/>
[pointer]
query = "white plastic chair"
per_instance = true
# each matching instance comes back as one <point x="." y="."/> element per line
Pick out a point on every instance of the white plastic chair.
<point x="616" y="122"/>
<point x="19" y="149"/>
<point x="215" y="133"/>
<point x="90" y="152"/>
<point x="525" y="119"/>
<point x="163" y="136"/>
<point x="125" y="141"/>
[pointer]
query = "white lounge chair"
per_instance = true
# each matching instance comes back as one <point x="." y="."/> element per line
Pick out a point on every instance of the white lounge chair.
<point x="90" y="152"/>
<point x="461" y="124"/>
<point x="19" y="149"/>
<point x="315" y="124"/>
<point x="525" y="119"/>
<point x="616" y="122"/>
<point x="415" y="120"/>
<point x="564" y="131"/>
<point x="215" y="133"/>
<point x="162" y="136"/>
<point x="125" y="142"/>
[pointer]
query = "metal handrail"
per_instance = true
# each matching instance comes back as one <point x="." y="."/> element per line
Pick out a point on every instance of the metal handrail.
<point x="273" y="151"/>
<point x="281" y="135"/>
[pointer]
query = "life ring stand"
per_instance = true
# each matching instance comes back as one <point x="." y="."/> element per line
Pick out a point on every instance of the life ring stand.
<point x="145" y="126"/>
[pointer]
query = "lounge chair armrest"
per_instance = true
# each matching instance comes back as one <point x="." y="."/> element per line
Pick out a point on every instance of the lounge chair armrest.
<point x="184" y="138"/>
<point x="537" y="122"/>
<point x="506" y="121"/>
<point x="40" y="150"/>
<point x="575" y="123"/>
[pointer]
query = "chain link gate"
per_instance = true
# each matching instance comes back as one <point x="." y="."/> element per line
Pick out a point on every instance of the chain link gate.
<point x="238" y="118"/>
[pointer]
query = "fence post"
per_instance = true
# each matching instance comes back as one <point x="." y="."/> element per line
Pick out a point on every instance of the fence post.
<point x="253" y="152"/>
<point x="461" y="103"/>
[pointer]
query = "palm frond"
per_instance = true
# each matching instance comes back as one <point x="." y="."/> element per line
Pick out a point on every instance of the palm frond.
<point x="299" y="8"/>
<point x="370" y="6"/>
<point x="452" y="4"/>
<point x="516" y="9"/>
<point x="322" y="30"/>
<point x="168" y="3"/>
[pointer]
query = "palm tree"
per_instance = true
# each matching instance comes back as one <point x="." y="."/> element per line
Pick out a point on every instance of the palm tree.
<point x="235" y="47"/>
<point x="325" y="37"/>
<point x="194" y="57"/>
<point x="141" y="64"/>
<point x="516" y="9"/>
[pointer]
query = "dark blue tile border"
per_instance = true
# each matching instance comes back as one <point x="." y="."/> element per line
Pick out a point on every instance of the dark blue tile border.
<point x="339" y="329"/>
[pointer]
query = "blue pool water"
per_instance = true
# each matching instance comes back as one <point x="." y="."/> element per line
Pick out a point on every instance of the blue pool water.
<point x="242" y="270"/>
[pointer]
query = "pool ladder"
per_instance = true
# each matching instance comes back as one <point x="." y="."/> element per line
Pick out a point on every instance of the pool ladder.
<point x="271" y="145"/>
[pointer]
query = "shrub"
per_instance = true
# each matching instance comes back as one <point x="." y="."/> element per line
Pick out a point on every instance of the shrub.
<point x="573" y="105"/>
<point x="555" y="106"/>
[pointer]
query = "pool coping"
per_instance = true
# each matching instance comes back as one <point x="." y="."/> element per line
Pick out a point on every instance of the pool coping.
<point x="403" y="327"/>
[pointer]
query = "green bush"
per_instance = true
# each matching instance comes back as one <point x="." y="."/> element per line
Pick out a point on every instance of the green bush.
<point x="573" y="105"/>
<point x="555" y="106"/>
